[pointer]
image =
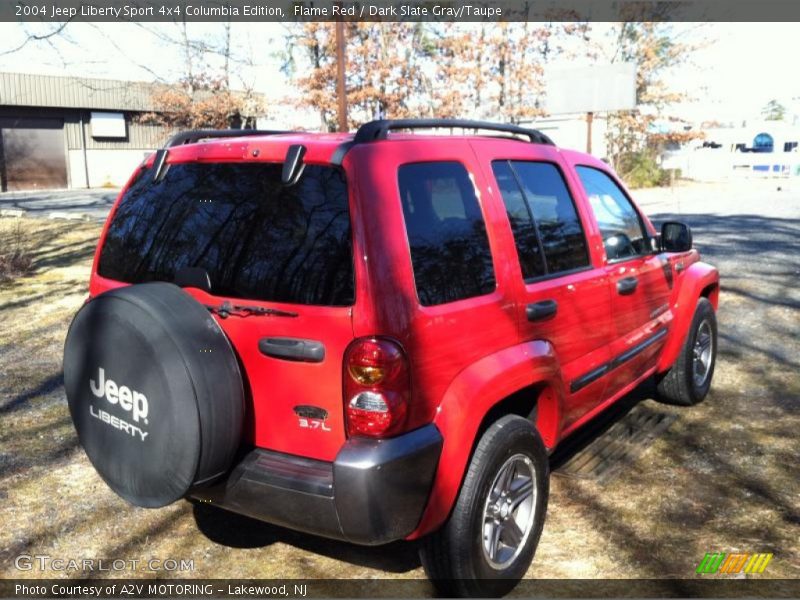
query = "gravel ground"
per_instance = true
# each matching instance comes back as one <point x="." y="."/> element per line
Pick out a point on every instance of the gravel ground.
<point x="723" y="477"/>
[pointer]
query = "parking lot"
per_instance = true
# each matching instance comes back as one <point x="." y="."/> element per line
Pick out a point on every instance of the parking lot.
<point x="68" y="204"/>
<point x="722" y="476"/>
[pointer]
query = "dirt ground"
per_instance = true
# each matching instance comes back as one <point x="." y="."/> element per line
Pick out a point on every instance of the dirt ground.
<point x="723" y="477"/>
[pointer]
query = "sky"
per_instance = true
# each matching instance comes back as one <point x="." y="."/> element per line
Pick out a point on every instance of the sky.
<point x="138" y="52"/>
<point x="737" y="69"/>
<point x="740" y="68"/>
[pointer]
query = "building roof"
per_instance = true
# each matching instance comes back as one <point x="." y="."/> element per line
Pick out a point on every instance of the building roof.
<point x="23" y="89"/>
<point x="52" y="91"/>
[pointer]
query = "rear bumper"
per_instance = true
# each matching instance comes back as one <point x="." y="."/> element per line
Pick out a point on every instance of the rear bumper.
<point x="373" y="493"/>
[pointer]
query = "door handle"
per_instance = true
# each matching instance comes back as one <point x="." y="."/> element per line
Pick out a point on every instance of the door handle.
<point x="539" y="311"/>
<point x="627" y="285"/>
<point x="292" y="349"/>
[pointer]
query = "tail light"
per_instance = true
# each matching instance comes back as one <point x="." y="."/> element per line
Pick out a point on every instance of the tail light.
<point x="376" y="387"/>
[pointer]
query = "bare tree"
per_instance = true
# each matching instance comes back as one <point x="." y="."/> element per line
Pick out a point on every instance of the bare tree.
<point x="384" y="70"/>
<point x="35" y="38"/>
<point x="632" y="135"/>
<point x="203" y="95"/>
<point x="424" y="69"/>
<point x="495" y="70"/>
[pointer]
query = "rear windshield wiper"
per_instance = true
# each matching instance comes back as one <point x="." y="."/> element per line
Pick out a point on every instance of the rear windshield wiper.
<point x="226" y="309"/>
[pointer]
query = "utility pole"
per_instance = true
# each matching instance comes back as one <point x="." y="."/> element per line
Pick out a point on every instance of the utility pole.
<point x="589" y="121"/>
<point x="341" y="90"/>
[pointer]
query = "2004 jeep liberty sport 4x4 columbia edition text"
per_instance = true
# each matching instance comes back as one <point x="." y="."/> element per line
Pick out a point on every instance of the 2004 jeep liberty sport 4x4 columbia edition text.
<point x="377" y="336"/>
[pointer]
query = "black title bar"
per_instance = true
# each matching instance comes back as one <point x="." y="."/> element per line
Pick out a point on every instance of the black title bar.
<point x="286" y="11"/>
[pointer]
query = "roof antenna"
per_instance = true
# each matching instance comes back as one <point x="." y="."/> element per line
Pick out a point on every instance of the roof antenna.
<point x="293" y="165"/>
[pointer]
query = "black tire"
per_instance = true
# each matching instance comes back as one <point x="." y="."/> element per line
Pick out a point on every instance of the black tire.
<point x="454" y="557"/>
<point x="679" y="385"/>
<point x="154" y="391"/>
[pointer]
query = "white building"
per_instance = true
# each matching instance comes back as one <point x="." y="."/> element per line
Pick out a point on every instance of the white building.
<point x="755" y="149"/>
<point x="571" y="131"/>
<point x="73" y="132"/>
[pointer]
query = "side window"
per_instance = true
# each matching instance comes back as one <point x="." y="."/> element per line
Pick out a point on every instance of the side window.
<point x="446" y="233"/>
<point x="522" y="224"/>
<point x="546" y="227"/>
<point x="620" y="225"/>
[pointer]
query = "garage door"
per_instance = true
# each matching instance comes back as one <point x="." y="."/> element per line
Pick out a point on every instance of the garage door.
<point x="33" y="153"/>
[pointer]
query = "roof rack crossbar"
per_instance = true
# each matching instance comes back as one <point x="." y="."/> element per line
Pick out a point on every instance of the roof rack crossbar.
<point x="379" y="130"/>
<point x="190" y="137"/>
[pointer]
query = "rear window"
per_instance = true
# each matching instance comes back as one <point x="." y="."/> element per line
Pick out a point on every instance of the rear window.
<point x="256" y="238"/>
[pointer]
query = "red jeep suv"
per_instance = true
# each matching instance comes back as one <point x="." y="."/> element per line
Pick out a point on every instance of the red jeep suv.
<point x="377" y="336"/>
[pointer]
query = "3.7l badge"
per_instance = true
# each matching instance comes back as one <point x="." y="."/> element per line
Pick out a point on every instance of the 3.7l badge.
<point x="311" y="417"/>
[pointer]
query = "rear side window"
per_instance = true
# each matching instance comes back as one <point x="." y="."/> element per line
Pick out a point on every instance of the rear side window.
<point x="549" y="238"/>
<point x="256" y="238"/>
<point x="446" y="233"/>
<point x="622" y="230"/>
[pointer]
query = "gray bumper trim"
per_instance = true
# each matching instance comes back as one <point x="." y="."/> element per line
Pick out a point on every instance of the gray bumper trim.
<point x="373" y="493"/>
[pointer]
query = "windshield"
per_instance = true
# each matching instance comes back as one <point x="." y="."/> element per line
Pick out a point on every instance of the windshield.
<point x="256" y="238"/>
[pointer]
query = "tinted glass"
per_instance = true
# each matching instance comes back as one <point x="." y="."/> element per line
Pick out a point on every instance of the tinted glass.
<point x="557" y="220"/>
<point x="522" y="225"/>
<point x="256" y="238"/>
<point x="620" y="226"/>
<point x="447" y="236"/>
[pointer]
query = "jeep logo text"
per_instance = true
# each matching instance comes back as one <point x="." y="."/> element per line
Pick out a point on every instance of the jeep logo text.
<point x="128" y="400"/>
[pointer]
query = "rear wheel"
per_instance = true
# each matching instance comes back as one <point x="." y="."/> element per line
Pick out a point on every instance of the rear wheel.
<point x="488" y="543"/>
<point x="688" y="381"/>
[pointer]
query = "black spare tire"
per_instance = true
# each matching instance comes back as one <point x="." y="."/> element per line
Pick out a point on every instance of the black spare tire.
<point x="154" y="390"/>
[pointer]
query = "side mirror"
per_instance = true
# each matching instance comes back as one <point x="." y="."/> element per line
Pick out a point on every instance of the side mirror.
<point x="675" y="237"/>
<point x="618" y="245"/>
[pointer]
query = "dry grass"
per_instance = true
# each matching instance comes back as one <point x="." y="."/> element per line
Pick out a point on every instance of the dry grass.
<point x="15" y="254"/>
<point x="724" y="477"/>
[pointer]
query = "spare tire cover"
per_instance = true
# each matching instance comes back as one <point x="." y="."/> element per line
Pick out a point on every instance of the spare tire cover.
<point x="154" y="390"/>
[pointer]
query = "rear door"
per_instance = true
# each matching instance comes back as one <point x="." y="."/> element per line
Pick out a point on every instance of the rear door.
<point x="260" y="245"/>
<point x="438" y="272"/>
<point x="639" y="279"/>
<point x="565" y="298"/>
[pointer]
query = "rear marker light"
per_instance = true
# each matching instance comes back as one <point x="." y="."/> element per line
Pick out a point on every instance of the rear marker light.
<point x="376" y="384"/>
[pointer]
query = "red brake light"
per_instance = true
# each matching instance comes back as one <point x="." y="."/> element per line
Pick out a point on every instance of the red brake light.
<point x="375" y="387"/>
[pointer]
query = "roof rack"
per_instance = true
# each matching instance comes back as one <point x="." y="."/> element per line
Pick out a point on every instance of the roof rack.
<point x="379" y="130"/>
<point x="190" y="137"/>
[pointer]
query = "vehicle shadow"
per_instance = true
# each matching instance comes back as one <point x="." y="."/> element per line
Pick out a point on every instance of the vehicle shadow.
<point x="237" y="531"/>
<point x="579" y="441"/>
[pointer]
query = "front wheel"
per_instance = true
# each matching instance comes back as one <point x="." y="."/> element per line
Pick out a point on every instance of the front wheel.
<point x="488" y="543"/>
<point x="688" y="381"/>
